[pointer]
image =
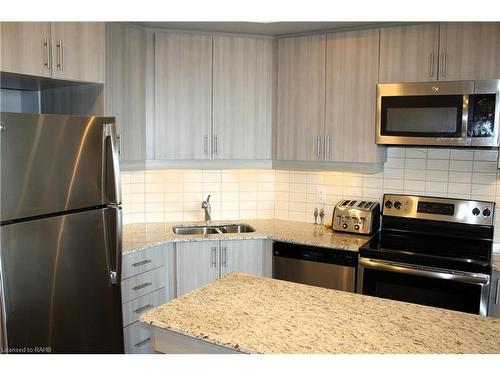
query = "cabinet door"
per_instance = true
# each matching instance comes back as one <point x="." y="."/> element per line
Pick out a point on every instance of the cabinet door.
<point x="183" y="96"/>
<point x="469" y="51"/>
<point x="494" y="301"/>
<point x="78" y="51"/>
<point x="301" y="98"/>
<point x="197" y="264"/>
<point x="25" y="48"/>
<point x="242" y="256"/>
<point x="351" y="86"/>
<point x="409" y="53"/>
<point x="126" y="87"/>
<point x="243" y="79"/>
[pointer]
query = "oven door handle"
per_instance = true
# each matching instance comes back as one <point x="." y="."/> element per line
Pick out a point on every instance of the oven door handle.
<point x="465" y="277"/>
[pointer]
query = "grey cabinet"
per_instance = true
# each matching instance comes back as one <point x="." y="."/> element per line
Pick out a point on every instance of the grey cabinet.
<point x="25" y="48"/>
<point x="447" y="51"/>
<point x="494" y="301"/>
<point x="125" y="89"/>
<point x="183" y="96"/>
<point x="71" y="51"/>
<point x="351" y="81"/>
<point x="201" y="262"/>
<point x="242" y="97"/>
<point x="300" y="98"/>
<point x="409" y="53"/>
<point x="145" y="284"/>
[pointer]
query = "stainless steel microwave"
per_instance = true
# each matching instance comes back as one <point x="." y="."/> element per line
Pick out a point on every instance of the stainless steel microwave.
<point x="462" y="113"/>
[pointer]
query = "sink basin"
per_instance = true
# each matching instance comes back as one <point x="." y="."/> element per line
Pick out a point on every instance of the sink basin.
<point x="218" y="229"/>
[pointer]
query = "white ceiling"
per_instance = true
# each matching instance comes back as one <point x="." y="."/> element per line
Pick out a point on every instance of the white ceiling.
<point x="264" y="28"/>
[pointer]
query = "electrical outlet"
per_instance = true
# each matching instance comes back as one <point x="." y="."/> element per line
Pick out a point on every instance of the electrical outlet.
<point x="321" y="195"/>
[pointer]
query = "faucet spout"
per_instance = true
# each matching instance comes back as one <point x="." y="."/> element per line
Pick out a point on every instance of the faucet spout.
<point x="207" y="210"/>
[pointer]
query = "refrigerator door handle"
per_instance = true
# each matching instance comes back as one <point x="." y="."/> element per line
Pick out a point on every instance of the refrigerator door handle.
<point x="113" y="242"/>
<point x="111" y="166"/>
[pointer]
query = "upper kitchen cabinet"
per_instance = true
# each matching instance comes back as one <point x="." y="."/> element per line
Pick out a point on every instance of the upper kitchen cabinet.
<point x="25" y="48"/>
<point x="72" y="51"/>
<point x="242" y="97"/>
<point x="125" y="89"/>
<point x="409" y="53"/>
<point x="301" y="98"/>
<point x="351" y="81"/>
<point x="79" y="51"/>
<point x="469" y="51"/>
<point x="183" y="96"/>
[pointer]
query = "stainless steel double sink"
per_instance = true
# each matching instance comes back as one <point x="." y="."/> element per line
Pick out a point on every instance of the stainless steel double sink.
<point x="213" y="229"/>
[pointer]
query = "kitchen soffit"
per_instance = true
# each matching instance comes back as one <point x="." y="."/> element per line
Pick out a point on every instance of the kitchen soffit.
<point x="263" y="28"/>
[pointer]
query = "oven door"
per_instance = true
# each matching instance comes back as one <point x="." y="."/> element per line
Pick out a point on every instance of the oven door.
<point x="460" y="291"/>
<point x="424" y="113"/>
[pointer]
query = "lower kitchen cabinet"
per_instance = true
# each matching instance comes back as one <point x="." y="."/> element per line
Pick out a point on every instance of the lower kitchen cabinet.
<point x="494" y="301"/>
<point x="144" y="286"/>
<point x="200" y="262"/>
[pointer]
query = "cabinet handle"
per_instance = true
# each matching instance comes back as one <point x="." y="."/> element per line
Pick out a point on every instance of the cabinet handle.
<point x="143" y="308"/>
<point x="46" y="50"/>
<point x="141" y="263"/>
<point x="216" y="144"/>
<point x="224" y="253"/>
<point x="143" y="342"/>
<point x="443" y="65"/>
<point x="119" y="146"/>
<point x="318" y="145"/>
<point x="142" y="286"/>
<point x="327" y="147"/>
<point x="431" y="67"/>
<point x="214" y="257"/>
<point x="205" y="144"/>
<point x="60" y="55"/>
<point x="498" y="291"/>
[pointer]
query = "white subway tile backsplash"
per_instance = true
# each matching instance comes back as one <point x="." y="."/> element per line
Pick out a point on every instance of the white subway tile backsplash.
<point x="175" y="195"/>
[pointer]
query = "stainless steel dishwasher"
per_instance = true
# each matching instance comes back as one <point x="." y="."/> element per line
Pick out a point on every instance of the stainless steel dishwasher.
<point x="317" y="266"/>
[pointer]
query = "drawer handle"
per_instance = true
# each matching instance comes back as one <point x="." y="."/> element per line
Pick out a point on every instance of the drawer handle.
<point x="144" y="308"/>
<point x="142" y="286"/>
<point x="143" y="342"/>
<point x="141" y="263"/>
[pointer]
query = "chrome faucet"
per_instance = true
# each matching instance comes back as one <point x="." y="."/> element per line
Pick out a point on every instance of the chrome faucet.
<point x="207" y="210"/>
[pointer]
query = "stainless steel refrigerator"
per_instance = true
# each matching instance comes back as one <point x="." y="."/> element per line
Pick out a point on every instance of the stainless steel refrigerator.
<point x="60" y="258"/>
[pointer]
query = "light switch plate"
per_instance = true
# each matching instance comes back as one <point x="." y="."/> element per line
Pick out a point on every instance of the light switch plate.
<point x="321" y="195"/>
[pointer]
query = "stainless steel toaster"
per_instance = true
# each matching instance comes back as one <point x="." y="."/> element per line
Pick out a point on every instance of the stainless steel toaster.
<point x="356" y="216"/>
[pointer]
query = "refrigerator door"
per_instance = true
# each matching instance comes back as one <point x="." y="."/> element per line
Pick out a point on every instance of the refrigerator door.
<point x="54" y="163"/>
<point x="61" y="285"/>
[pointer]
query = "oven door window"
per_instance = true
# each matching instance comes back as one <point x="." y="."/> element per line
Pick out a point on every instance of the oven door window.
<point x="422" y="116"/>
<point x="442" y="293"/>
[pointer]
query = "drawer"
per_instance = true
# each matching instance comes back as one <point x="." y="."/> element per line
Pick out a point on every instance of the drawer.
<point x="137" y="338"/>
<point x="134" y="308"/>
<point x="143" y="284"/>
<point x="142" y="261"/>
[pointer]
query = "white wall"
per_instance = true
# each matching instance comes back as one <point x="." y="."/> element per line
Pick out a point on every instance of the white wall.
<point x="176" y="195"/>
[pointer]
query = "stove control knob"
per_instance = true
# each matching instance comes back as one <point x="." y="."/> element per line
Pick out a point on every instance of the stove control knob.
<point x="476" y="211"/>
<point x="388" y="204"/>
<point x="486" y="212"/>
<point x="397" y="205"/>
<point x="344" y="225"/>
<point x="356" y="227"/>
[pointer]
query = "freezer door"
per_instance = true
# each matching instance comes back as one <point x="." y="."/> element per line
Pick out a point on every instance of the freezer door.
<point x="54" y="163"/>
<point x="61" y="285"/>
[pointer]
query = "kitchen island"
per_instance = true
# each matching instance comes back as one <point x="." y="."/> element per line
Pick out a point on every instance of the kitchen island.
<point x="240" y="313"/>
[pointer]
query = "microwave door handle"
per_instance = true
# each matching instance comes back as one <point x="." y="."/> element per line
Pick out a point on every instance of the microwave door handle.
<point x="423" y="271"/>
<point x="465" y="117"/>
<point x="111" y="168"/>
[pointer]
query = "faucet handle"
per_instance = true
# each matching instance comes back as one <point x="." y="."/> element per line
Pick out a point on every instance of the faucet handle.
<point x="208" y="198"/>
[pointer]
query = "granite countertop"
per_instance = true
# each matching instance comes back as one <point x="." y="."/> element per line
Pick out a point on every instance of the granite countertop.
<point x="260" y="315"/>
<point x="141" y="236"/>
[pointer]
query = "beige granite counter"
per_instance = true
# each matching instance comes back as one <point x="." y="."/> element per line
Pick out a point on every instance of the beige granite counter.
<point x="260" y="315"/>
<point x="141" y="236"/>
